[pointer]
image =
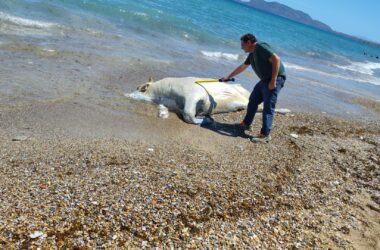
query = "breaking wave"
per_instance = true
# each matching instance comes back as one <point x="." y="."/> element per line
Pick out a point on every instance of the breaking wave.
<point x="10" y="19"/>
<point x="220" y="55"/>
<point x="367" y="68"/>
<point x="364" y="79"/>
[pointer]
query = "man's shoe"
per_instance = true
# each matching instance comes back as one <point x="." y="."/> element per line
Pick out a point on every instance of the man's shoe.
<point x="244" y="126"/>
<point x="261" y="138"/>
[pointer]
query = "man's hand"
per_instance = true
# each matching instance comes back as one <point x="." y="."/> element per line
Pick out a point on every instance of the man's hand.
<point x="272" y="84"/>
<point x="224" y="79"/>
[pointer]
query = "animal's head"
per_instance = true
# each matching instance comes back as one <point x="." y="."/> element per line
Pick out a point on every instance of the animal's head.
<point x="143" y="88"/>
<point x="143" y="92"/>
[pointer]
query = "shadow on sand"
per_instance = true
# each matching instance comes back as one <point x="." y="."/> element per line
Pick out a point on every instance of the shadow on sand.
<point x="233" y="130"/>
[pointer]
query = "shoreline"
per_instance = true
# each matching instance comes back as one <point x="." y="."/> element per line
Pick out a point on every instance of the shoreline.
<point x="35" y="73"/>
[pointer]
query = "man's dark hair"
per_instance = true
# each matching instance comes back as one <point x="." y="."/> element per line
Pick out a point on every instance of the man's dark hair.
<point x="248" y="37"/>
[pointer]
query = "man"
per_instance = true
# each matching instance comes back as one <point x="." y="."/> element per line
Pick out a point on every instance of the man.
<point x="269" y="68"/>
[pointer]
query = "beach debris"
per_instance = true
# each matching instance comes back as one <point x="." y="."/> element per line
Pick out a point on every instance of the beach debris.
<point x="298" y="245"/>
<point x="283" y="111"/>
<point x="295" y="136"/>
<point x="374" y="158"/>
<point x="20" y="138"/>
<point x="37" y="234"/>
<point x="163" y="112"/>
<point x="48" y="50"/>
<point x="150" y="149"/>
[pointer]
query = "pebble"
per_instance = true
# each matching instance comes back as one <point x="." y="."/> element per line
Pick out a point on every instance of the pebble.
<point x="37" y="234"/>
<point x="294" y="135"/>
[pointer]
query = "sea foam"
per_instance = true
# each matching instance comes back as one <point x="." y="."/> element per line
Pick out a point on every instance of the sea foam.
<point x="367" y="68"/>
<point x="4" y="17"/>
<point x="220" y="55"/>
<point x="368" y="79"/>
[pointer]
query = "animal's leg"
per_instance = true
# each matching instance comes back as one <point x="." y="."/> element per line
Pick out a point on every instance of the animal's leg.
<point x="188" y="115"/>
<point x="163" y="112"/>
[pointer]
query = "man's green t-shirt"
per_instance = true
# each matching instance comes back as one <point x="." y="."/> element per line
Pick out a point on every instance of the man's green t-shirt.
<point x="259" y="60"/>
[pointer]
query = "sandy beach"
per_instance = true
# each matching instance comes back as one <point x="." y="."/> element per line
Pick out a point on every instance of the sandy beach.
<point x="83" y="167"/>
<point x="76" y="176"/>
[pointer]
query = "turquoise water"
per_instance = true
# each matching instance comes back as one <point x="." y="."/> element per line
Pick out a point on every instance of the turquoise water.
<point x="191" y="32"/>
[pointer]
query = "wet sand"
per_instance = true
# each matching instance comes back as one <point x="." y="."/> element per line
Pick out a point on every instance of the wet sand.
<point x="374" y="106"/>
<point x="108" y="173"/>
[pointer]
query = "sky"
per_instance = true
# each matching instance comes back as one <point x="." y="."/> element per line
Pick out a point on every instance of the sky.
<point x="360" y="18"/>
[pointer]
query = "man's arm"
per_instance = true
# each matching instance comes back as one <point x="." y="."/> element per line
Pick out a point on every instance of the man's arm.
<point x="275" y="60"/>
<point x="237" y="71"/>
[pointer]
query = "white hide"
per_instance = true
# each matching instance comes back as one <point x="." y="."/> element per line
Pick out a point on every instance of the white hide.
<point x="194" y="100"/>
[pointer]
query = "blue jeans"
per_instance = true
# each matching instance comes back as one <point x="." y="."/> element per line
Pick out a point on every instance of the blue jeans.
<point x="261" y="93"/>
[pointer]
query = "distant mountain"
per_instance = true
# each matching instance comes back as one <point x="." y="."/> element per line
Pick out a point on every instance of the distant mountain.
<point x="297" y="16"/>
<point x="285" y="11"/>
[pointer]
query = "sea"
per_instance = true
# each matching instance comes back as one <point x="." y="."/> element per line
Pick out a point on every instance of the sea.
<point x="55" y="48"/>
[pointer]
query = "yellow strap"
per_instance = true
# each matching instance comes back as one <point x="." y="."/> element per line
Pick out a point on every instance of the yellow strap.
<point x="208" y="80"/>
